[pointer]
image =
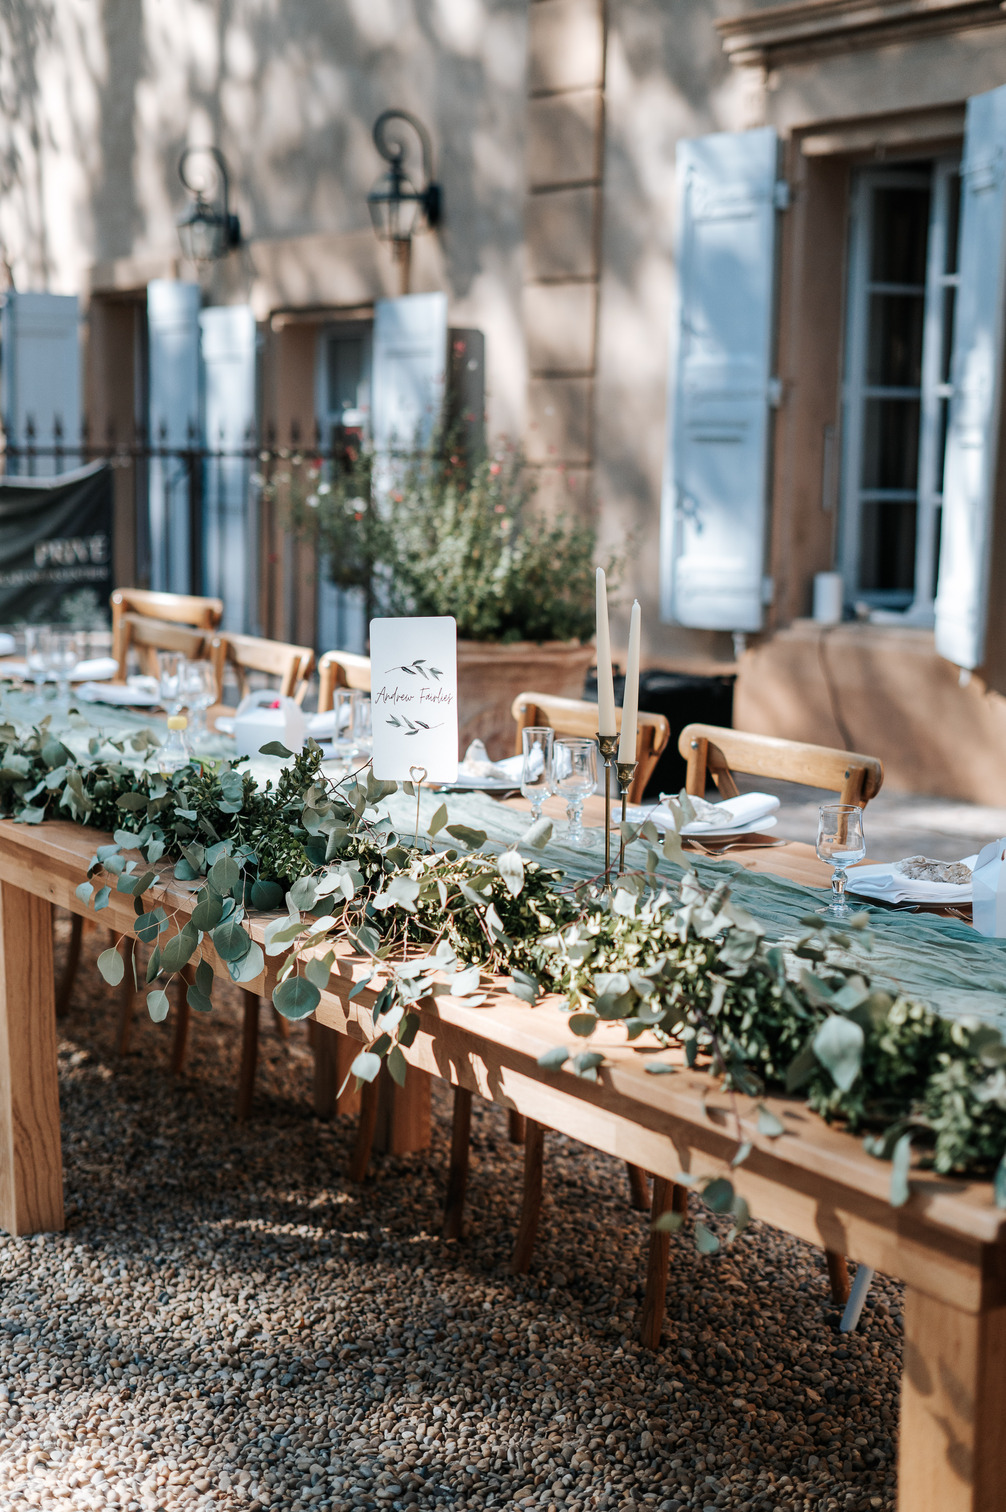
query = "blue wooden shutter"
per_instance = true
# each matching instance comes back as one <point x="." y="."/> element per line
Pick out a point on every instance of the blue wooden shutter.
<point x="229" y="345"/>
<point x="408" y="375"/>
<point x="40" y="382"/>
<point x="173" y="420"/>
<point x="962" y="592"/>
<point x="720" y="392"/>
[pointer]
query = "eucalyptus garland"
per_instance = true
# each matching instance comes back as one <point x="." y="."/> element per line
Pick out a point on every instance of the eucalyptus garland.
<point x="680" y="962"/>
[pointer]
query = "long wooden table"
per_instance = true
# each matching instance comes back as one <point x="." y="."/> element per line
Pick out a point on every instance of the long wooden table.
<point x="948" y="1243"/>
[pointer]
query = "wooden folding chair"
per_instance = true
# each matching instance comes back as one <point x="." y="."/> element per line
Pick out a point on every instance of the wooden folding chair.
<point x="148" y="636"/>
<point x="241" y="654"/>
<point x="574" y="716"/>
<point x="716" y="752"/>
<point x="175" y="608"/>
<point x="341" y="669"/>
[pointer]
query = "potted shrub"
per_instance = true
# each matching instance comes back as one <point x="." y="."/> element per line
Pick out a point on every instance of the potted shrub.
<point x="463" y="538"/>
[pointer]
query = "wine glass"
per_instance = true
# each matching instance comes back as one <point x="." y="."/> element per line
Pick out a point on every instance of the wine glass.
<point x="171" y="669"/>
<point x="35" y="653"/>
<point x="200" y="690"/>
<point x="574" y="778"/>
<point x="536" y="742"/>
<point x="62" y="655"/>
<point x="840" y="841"/>
<point x="343" y="709"/>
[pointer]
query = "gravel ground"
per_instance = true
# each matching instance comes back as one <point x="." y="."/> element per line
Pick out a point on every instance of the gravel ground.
<point x="226" y="1323"/>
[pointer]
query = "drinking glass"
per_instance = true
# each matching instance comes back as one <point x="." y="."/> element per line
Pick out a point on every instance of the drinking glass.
<point x="343" y="744"/>
<point x="840" y="841"/>
<point x="363" y="723"/>
<point x="200" y="692"/>
<point x="62" y="654"/>
<point x="536" y="741"/>
<point x="574" y="777"/>
<point x="171" y="668"/>
<point x="35" y="654"/>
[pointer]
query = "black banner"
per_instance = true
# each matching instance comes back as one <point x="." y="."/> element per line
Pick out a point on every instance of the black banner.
<point x="56" y="547"/>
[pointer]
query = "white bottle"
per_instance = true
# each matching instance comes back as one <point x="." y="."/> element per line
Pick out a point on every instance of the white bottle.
<point x="174" y="753"/>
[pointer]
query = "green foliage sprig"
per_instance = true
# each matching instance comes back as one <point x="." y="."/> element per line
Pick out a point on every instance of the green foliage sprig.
<point x="680" y="962"/>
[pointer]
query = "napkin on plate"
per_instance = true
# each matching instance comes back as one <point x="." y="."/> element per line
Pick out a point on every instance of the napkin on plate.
<point x="883" y="881"/>
<point x="8" y="645"/>
<point x="136" y="691"/>
<point x="476" y="763"/>
<point x="731" y="816"/>
<point x="322" y="726"/>
<point x="96" y="669"/>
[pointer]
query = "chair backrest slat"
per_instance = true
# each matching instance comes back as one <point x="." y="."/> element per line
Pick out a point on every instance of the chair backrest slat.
<point x="575" y="716"/>
<point x="148" y="636"/>
<point x="717" y="752"/>
<point x="242" y="654"/>
<point x="341" y="669"/>
<point x="130" y="605"/>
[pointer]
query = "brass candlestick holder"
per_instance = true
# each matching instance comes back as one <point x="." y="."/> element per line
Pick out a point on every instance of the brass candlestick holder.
<point x="608" y="746"/>
<point x="626" y="771"/>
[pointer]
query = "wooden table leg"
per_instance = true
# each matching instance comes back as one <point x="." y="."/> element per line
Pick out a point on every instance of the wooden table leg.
<point x="457" y="1171"/>
<point x="66" y="981"/>
<point x="364" y="1142"/>
<point x="31" y="1160"/>
<point x="334" y="1053"/>
<point x="249" y="1055"/>
<point x="952" y="1439"/>
<point x="183" y="1020"/>
<point x="530" y="1212"/>
<point x="838" y="1276"/>
<point x="639" y="1190"/>
<point x="403" y="1113"/>
<point x="658" y="1266"/>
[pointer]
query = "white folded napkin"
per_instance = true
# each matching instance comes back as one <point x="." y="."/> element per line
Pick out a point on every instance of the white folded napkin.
<point x="96" y="669"/>
<point x="732" y="815"/>
<point x="881" y="880"/>
<point x="8" y="645"/>
<point x="139" y="691"/>
<point x="476" y="763"/>
<point x="322" y="726"/>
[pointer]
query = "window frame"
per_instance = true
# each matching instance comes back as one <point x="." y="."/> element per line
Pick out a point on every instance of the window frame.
<point x="936" y="175"/>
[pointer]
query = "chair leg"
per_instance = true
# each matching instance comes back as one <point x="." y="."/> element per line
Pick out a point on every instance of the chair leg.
<point x="66" y="981"/>
<point x="639" y="1188"/>
<point x="658" y="1263"/>
<point x="530" y="1213"/>
<point x="183" y="1017"/>
<point x="249" y="1056"/>
<point x="360" y="1159"/>
<point x="457" y="1171"/>
<point x="838" y="1275"/>
<point x="516" y="1127"/>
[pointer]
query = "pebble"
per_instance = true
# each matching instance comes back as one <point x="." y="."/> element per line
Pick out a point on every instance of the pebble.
<point x="228" y="1324"/>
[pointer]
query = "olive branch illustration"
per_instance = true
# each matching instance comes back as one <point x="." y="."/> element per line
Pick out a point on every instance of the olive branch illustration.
<point x="419" y="668"/>
<point x="413" y="725"/>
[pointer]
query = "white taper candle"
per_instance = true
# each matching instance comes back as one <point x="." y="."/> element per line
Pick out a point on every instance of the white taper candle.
<point x="605" y="687"/>
<point x="630" y="698"/>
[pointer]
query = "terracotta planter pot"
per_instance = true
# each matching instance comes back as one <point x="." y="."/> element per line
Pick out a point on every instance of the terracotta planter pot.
<point x="490" y="676"/>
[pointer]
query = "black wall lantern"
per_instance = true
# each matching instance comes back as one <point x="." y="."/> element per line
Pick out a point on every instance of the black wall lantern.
<point x="397" y="208"/>
<point x="207" y="230"/>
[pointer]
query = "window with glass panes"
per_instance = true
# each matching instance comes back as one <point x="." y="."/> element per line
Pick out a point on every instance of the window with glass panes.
<point x="902" y="285"/>
<point x="342" y="401"/>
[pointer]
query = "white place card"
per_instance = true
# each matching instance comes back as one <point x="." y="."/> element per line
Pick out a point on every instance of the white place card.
<point x="414" y="698"/>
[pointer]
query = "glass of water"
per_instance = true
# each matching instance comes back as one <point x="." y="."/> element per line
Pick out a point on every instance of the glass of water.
<point x="574" y="778"/>
<point x="36" y="653"/>
<point x="62" y="657"/>
<point x="200" y="691"/>
<point x="840" y="841"/>
<point x="362" y="725"/>
<point x="536" y="742"/>
<point x="172" y="675"/>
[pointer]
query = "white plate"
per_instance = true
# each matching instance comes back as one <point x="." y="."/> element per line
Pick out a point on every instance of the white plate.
<point x="480" y="785"/>
<point x="869" y="882"/>
<point x="224" y="724"/>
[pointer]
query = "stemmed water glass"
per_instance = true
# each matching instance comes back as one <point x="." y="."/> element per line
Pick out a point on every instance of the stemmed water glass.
<point x="172" y="676"/>
<point x="574" y="778"/>
<point x="363" y="724"/>
<point x="840" y="841"/>
<point x="536" y="742"/>
<point x="62" y="656"/>
<point x="35" y="653"/>
<point x="343" y="733"/>
<point x="200" y="694"/>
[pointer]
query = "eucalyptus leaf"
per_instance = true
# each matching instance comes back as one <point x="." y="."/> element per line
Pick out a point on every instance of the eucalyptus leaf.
<point x="838" y="1045"/>
<point x="366" y="1066"/>
<point x="397" y="1065"/>
<point x="706" y="1241"/>
<point x="249" y="966"/>
<point x="111" y="966"/>
<point x="296" y="998"/>
<point x="901" y="1163"/>
<point x="231" y="940"/>
<point x="158" y="1005"/>
<point x="768" y="1125"/>
<point x="511" y="869"/>
<point x="538" y="835"/>
<point x="553" y="1058"/>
